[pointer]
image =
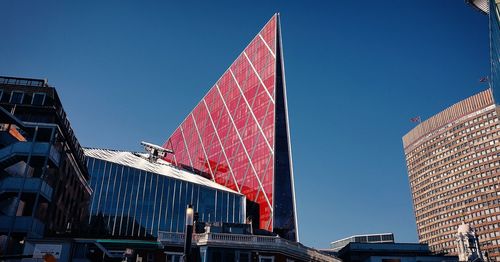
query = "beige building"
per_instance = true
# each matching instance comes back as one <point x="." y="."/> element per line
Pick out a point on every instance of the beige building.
<point x="454" y="174"/>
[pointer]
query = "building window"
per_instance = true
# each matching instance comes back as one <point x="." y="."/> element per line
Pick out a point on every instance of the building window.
<point x="266" y="258"/>
<point x="17" y="97"/>
<point x="373" y="238"/>
<point x="387" y="237"/>
<point x="173" y="256"/>
<point x="243" y="256"/>
<point x="391" y="260"/>
<point x="38" y="99"/>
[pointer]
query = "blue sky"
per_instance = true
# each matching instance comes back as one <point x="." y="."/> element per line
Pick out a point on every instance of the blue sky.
<point x="356" y="71"/>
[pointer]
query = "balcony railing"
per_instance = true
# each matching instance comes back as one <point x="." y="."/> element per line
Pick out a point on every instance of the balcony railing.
<point x="25" y="148"/>
<point x="25" y="224"/>
<point x="268" y="243"/>
<point x="171" y="237"/>
<point x="31" y="185"/>
<point x="23" y="81"/>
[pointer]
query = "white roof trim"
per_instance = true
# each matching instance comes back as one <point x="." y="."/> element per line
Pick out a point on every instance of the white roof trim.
<point x="161" y="167"/>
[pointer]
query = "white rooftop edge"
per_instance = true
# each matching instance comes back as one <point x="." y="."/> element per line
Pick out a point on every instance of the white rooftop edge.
<point x="366" y="235"/>
<point x="161" y="167"/>
<point x="482" y="5"/>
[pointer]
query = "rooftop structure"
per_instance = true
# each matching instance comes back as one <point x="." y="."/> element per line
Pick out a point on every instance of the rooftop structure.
<point x="481" y="5"/>
<point x="369" y="238"/>
<point x="140" y="161"/>
<point x="391" y="252"/>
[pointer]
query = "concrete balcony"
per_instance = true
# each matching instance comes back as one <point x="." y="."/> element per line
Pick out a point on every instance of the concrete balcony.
<point x="22" y="224"/>
<point x="31" y="185"/>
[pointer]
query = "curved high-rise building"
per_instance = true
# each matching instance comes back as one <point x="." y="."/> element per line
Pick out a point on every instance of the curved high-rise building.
<point x="454" y="174"/>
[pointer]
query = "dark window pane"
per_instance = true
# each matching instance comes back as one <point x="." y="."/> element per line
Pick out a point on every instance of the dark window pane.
<point x="17" y="97"/>
<point x="38" y="99"/>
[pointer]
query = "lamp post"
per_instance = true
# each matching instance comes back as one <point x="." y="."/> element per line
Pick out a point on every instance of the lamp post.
<point x="188" y="233"/>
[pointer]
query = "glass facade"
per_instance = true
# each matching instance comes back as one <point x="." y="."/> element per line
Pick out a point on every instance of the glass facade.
<point x="495" y="48"/>
<point x="132" y="201"/>
<point x="238" y="134"/>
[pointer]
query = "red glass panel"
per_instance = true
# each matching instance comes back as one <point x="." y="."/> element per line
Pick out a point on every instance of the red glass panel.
<point x="236" y="117"/>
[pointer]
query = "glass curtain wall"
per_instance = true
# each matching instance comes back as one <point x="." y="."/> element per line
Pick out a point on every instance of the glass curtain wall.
<point x="135" y="203"/>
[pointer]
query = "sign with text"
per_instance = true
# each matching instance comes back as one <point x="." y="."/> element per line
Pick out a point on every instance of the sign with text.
<point x="47" y="249"/>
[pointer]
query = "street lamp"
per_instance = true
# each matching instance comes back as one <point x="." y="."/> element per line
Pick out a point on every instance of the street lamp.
<point x="188" y="233"/>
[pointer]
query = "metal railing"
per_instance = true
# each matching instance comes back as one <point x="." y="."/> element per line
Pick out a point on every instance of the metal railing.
<point x="171" y="237"/>
<point x="33" y="226"/>
<point x="34" y="148"/>
<point x="31" y="185"/>
<point x="270" y="243"/>
<point x="23" y="81"/>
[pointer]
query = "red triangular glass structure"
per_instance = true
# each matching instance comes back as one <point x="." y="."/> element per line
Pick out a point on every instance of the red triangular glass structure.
<point x="238" y="134"/>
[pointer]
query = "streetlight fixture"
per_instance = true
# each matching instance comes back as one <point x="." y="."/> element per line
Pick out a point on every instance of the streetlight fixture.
<point x="189" y="232"/>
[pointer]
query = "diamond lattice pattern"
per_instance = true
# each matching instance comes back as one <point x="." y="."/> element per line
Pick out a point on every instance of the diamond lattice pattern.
<point x="229" y="135"/>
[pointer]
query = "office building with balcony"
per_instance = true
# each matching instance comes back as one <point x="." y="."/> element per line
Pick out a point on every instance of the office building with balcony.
<point x="43" y="182"/>
<point x="454" y="174"/>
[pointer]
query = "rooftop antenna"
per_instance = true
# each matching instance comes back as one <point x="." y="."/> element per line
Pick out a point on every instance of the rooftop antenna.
<point x="155" y="151"/>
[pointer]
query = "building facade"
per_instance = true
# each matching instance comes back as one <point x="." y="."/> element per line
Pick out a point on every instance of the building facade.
<point x="238" y="134"/>
<point x="43" y="182"/>
<point x="135" y="198"/>
<point x="391" y="252"/>
<point x="454" y="174"/>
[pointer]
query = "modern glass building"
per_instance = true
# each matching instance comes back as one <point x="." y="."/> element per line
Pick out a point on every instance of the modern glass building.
<point x="454" y="174"/>
<point x="238" y="134"/>
<point x="135" y="197"/>
<point x="492" y="9"/>
<point x="494" y="15"/>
